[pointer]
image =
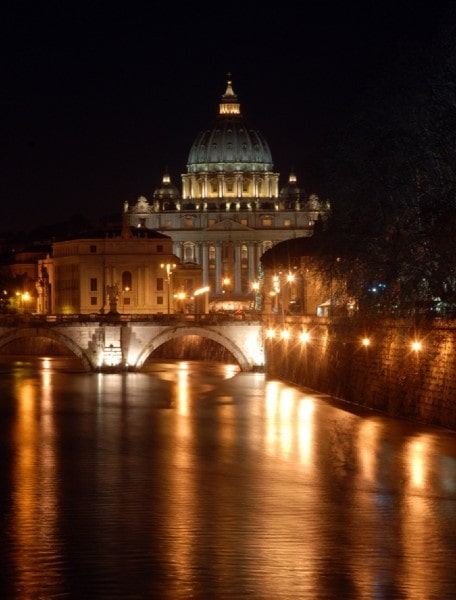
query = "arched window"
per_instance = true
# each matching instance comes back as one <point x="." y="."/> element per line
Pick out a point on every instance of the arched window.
<point x="189" y="252"/>
<point x="126" y="281"/>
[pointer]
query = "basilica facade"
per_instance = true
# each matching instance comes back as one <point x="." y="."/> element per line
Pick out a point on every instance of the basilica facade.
<point x="230" y="209"/>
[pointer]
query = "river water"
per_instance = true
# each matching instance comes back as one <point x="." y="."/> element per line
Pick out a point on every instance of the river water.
<point x="192" y="480"/>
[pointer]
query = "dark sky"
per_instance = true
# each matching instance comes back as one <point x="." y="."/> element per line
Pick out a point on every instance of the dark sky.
<point x="98" y="100"/>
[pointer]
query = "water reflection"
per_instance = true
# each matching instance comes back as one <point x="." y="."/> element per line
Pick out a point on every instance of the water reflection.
<point x="193" y="480"/>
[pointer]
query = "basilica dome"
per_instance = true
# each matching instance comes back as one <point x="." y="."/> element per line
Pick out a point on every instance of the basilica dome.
<point x="229" y="144"/>
<point x="166" y="191"/>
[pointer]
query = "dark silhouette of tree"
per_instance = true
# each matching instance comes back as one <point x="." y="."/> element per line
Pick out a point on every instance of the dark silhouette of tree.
<point x="391" y="180"/>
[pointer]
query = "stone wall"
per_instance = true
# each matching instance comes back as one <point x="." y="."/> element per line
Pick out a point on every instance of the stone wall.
<point x="387" y="375"/>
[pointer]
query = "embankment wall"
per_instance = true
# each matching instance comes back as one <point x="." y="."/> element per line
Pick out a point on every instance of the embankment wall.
<point x="387" y="375"/>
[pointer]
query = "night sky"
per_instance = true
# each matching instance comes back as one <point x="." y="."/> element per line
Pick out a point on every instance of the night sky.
<point x="99" y="100"/>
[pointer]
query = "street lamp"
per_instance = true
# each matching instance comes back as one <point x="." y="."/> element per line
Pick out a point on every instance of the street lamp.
<point x="169" y="269"/>
<point x="256" y="293"/>
<point x="25" y="300"/>
<point x="226" y="281"/>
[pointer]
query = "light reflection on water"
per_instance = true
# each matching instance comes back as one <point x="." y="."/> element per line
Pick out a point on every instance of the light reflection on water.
<point x="193" y="480"/>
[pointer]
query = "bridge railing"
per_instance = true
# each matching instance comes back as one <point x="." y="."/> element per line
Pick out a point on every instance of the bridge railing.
<point x="12" y="320"/>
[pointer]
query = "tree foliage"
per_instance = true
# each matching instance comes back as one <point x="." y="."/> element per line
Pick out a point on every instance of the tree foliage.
<point x="392" y="181"/>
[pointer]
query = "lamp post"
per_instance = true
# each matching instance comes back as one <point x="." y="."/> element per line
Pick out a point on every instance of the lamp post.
<point x="201" y="300"/>
<point x="169" y="269"/>
<point x="125" y="290"/>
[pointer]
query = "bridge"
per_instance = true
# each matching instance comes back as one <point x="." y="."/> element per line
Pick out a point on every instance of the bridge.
<point x="118" y="343"/>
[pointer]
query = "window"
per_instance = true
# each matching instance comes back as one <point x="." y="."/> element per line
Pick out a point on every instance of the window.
<point x="287" y="223"/>
<point x="126" y="281"/>
<point x="93" y="248"/>
<point x="93" y="284"/>
<point x="267" y="222"/>
<point x="160" y="248"/>
<point x="189" y="252"/>
<point x="126" y="301"/>
<point x="160" y="286"/>
<point x="211" y="254"/>
<point x="159" y="299"/>
<point x="93" y="300"/>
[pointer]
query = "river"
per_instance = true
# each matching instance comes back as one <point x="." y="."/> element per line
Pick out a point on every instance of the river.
<point x="192" y="480"/>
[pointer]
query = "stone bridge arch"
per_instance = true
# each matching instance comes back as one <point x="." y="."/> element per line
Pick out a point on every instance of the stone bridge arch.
<point x="51" y="334"/>
<point x="173" y="333"/>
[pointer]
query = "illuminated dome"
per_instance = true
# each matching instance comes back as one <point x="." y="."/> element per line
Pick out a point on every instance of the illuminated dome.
<point x="166" y="191"/>
<point x="291" y="193"/>
<point x="229" y="144"/>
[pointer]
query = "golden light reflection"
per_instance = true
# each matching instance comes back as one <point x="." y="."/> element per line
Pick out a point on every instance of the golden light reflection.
<point x="286" y="405"/>
<point x="369" y="433"/>
<point x="306" y="409"/>
<point x="230" y="370"/>
<point x="289" y="422"/>
<point x="34" y="475"/>
<point x="182" y="396"/>
<point x="415" y="456"/>
<point x="271" y="401"/>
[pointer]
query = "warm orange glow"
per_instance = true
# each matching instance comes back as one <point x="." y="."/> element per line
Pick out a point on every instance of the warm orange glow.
<point x="366" y="341"/>
<point x="270" y="333"/>
<point x="202" y="290"/>
<point x="416" y="346"/>
<point x="304" y="336"/>
<point x="285" y="334"/>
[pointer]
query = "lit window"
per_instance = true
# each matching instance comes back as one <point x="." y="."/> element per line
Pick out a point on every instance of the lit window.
<point x="126" y="281"/>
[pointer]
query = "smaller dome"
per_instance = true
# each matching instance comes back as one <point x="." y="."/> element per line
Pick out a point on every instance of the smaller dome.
<point x="291" y="192"/>
<point x="167" y="191"/>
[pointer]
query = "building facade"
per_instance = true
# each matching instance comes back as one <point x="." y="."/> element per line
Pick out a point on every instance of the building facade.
<point x="126" y="272"/>
<point x="230" y="210"/>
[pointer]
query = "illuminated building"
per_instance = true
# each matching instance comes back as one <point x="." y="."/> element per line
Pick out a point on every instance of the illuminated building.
<point x="231" y="209"/>
<point x="129" y="271"/>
